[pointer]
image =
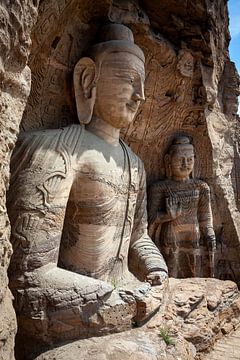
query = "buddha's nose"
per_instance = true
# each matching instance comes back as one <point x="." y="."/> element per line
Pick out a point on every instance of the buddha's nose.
<point x="184" y="162"/>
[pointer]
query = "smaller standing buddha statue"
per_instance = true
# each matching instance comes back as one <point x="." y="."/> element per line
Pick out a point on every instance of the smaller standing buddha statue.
<point x="180" y="213"/>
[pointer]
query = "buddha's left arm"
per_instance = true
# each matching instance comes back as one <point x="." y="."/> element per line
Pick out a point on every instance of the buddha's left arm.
<point x="205" y="217"/>
<point x="144" y="256"/>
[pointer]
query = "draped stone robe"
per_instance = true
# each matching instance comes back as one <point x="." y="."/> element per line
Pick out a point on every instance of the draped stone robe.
<point x="179" y="239"/>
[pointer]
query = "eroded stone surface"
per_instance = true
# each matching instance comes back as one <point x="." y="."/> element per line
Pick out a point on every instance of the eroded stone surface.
<point x="132" y="345"/>
<point x="197" y="312"/>
<point x="201" y="310"/>
<point x="17" y="19"/>
<point x="226" y="348"/>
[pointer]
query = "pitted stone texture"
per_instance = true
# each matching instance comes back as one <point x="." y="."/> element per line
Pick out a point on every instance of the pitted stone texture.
<point x="92" y="310"/>
<point x="64" y="30"/>
<point x="201" y="310"/>
<point x="8" y="327"/>
<point x="190" y="105"/>
<point x="202" y="105"/>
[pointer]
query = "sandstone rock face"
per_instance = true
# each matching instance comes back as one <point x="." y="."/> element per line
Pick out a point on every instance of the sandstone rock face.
<point x="17" y="19"/>
<point x="197" y="312"/>
<point x="228" y="346"/>
<point x="200" y="310"/>
<point x="133" y="345"/>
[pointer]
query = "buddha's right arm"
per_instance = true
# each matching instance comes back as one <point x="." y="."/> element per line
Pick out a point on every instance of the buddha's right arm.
<point x="37" y="202"/>
<point x="36" y="238"/>
<point x="41" y="180"/>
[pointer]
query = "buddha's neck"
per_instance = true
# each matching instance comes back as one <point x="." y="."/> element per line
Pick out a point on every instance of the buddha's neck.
<point x="181" y="179"/>
<point x="104" y="130"/>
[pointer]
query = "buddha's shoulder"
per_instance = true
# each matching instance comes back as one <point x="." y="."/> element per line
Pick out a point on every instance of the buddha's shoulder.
<point x="65" y="134"/>
<point x="72" y="140"/>
<point x="38" y="146"/>
<point x="67" y="139"/>
<point x="201" y="185"/>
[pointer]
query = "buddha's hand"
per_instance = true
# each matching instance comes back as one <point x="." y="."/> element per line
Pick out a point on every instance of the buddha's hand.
<point x="173" y="207"/>
<point x="157" y="277"/>
<point x="24" y="228"/>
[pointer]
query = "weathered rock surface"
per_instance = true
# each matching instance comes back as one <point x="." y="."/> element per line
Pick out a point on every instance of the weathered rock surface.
<point x="17" y="19"/>
<point x="196" y="313"/>
<point x="132" y="345"/>
<point x="200" y="310"/>
<point x="226" y="348"/>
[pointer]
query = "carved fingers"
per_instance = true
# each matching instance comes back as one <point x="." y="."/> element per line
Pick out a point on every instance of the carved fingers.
<point x="173" y="207"/>
<point x="23" y="227"/>
<point x="157" y="277"/>
<point x="211" y="243"/>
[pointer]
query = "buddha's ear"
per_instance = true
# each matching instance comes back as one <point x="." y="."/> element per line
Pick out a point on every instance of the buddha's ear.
<point x="84" y="82"/>
<point x="167" y="164"/>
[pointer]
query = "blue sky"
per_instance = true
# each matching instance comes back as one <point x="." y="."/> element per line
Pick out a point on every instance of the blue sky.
<point x="234" y="48"/>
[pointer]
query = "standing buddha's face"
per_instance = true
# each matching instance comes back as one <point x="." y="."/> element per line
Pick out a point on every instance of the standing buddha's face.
<point x="120" y="89"/>
<point x="182" y="162"/>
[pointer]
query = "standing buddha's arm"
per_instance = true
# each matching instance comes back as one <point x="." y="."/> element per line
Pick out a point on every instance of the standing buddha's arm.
<point x="205" y="217"/>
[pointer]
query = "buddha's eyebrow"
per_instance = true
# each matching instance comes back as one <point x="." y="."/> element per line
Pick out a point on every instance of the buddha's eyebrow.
<point x="129" y="71"/>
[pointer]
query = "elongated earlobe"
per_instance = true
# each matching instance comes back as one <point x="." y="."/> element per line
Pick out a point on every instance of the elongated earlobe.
<point x="84" y="81"/>
<point x="167" y="164"/>
<point x="192" y="175"/>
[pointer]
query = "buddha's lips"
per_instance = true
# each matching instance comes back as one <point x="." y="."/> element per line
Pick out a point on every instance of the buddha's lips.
<point x="185" y="169"/>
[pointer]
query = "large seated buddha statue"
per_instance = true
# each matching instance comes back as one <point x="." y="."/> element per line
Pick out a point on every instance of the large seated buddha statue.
<point x="83" y="263"/>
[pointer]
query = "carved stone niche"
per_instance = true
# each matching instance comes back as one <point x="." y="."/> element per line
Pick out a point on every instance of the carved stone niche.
<point x="183" y="71"/>
<point x="83" y="264"/>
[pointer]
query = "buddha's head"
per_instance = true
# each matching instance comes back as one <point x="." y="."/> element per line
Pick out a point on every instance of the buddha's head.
<point x="109" y="82"/>
<point x="179" y="160"/>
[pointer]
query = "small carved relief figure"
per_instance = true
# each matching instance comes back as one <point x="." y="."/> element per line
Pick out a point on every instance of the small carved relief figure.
<point x="179" y="211"/>
<point x="77" y="204"/>
<point x="185" y="63"/>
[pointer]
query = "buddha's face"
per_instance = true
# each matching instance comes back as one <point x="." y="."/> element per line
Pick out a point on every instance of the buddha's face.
<point x="120" y="89"/>
<point x="182" y="162"/>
